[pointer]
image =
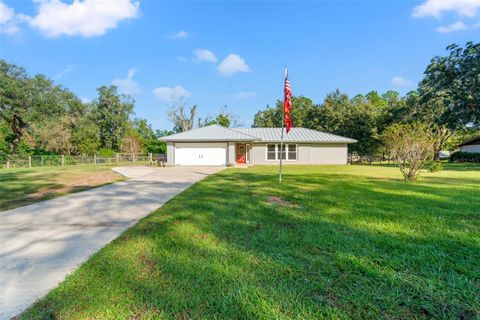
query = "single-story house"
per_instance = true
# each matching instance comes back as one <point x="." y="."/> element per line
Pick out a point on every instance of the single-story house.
<point x="217" y="145"/>
<point x="471" y="145"/>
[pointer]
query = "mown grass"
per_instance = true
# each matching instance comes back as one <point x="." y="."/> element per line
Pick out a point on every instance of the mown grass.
<point x="20" y="187"/>
<point x="329" y="242"/>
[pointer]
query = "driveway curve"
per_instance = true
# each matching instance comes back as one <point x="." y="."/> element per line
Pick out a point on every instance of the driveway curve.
<point x="43" y="242"/>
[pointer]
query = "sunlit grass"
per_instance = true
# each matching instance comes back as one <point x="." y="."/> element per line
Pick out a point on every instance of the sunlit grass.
<point x="337" y="242"/>
<point x="20" y="187"/>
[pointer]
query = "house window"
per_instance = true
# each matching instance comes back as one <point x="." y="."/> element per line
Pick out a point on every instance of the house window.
<point x="271" y="152"/>
<point x="292" y="152"/>
<point x="289" y="152"/>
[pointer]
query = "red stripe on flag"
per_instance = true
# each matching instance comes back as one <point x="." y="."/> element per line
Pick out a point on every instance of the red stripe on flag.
<point x="287" y="105"/>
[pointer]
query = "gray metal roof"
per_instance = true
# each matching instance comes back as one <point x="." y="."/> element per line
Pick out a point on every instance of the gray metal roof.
<point x="209" y="133"/>
<point x="295" y="135"/>
<point x="219" y="133"/>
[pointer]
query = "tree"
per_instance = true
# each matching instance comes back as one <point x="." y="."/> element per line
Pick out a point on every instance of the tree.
<point x="268" y="118"/>
<point x="354" y="118"/>
<point x="150" y="140"/>
<point x="162" y="146"/>
<point x="16" y="100"/>
<point x="449" y="94"/>
<point x="54" y="135"/>
<point x="131" y="143"/>
<point x="34" y="108"/>
<point x="182" y="119"/>
<point x="224" y="118"/>
<point x="86" y="136"/>
<point x="272" y="117"/>
<point x="410" y="146"/>
<point x="4" y="145"/>
<point x="111" y="112"/>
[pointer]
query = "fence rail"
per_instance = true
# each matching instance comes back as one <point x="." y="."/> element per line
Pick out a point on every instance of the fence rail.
<point x="17" y="161"/>
<point x="354" y="158"/>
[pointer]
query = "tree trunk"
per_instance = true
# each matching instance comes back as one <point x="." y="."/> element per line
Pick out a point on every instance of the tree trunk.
<point x="17" y="126"/>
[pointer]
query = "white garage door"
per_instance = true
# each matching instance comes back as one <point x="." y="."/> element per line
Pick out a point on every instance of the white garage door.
<point x="201" y="154"/>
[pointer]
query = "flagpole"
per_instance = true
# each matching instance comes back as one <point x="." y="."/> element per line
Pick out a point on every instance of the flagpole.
<point x="281" y="139"/>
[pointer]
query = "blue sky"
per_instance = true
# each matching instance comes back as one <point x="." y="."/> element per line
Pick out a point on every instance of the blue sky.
<point x="231" y="53"/>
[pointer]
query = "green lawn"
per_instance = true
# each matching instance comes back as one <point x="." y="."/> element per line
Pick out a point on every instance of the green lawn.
<point x="330" y="242"/>
<point x="20" y="187"/>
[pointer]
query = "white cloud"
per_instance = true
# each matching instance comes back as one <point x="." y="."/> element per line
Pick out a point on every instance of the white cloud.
<point x="170" y="94"/>
<point x="86" y="18"/>
<point x="204" y="55"/>
<point x="401" y="82"/>
<point x="435" y="8"/>
<point x="85" y="100"/>
<point x="128" y="85"/>
<point x="63" y="73"/>
<point x="180" y="35"/>
<point x="9" y="21"/>
<point x="456" y="26"/>
<point x="244" y="95"/>
<point x="232" y="64"/>
<point x="6" y="13"/>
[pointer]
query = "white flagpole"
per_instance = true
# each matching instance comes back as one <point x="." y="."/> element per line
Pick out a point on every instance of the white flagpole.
<point x="283" y="127"/>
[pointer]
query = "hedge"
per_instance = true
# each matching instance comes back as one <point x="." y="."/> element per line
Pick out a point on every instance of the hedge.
<point x="460" y="156"/>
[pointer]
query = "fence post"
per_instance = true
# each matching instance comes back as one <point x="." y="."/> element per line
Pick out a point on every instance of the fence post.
<point x="63" y="160"/>
<point x="41" y="158"/>
<point x="150" y="158"/>
<point x="133" y="157"/>
<point x="8" y="164"/>
<point x="95" y="159"/>
<point x="29" y="161"/>
<point x="116" y="157"/>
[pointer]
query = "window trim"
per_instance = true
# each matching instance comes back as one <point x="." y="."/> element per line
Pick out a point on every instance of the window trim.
<point x="277" y="150"/>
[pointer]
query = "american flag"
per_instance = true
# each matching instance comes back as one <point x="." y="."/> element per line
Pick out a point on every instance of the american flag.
<point x="287" y="103"/>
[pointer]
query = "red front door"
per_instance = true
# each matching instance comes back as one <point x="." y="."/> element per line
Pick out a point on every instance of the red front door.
<point x="241" y="153"/>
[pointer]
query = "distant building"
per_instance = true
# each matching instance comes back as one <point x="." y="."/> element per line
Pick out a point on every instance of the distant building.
<point x="444" y="154"/>
<point x="472" y="145"/>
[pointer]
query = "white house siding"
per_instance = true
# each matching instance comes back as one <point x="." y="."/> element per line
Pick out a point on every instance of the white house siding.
<point x="329" y="154"/>
<point x="170" y="153"/>
<point x="231" y="153"/>
<point x="325" y="153"/>
<point x="473" y="148"/>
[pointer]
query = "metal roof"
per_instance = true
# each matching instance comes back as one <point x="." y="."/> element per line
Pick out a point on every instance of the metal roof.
<point x="219" y="133"/>
<point x="470" y="141"/>
<point x="295" y="135"/>
<point x="209" y="133"/>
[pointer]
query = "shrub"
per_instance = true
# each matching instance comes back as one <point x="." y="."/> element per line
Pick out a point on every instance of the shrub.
<point x="435" y="166"/>
<point x="107" y="153"/>
<point x="410" y="146"/>
<point x="461" y="156"/>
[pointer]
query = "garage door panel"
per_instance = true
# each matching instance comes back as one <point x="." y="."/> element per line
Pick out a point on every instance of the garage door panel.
<point x="188" y="154"/>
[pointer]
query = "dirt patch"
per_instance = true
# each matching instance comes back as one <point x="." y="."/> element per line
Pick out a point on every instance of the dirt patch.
<point x="93" y="179"/>
<point x="147" y="262"/>
<point x="145" y="313"/>
<point x="64" y="185"/>
<point x="280" y="202"/>
<point x="41" y="194"/>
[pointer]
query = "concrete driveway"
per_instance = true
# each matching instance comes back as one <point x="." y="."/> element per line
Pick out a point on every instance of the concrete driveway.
<point x="42" y="243"/>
